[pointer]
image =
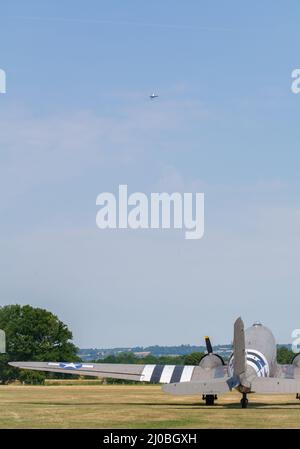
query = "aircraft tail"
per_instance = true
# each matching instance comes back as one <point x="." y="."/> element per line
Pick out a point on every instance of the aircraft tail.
<point x="239" y="362"/>
<point x="215" y="386"/>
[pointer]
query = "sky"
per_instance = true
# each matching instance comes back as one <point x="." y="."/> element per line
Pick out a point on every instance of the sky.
<point x="77" y="120"/>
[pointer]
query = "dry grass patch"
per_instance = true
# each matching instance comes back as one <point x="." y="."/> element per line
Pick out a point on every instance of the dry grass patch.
<point x="138" y="406"/>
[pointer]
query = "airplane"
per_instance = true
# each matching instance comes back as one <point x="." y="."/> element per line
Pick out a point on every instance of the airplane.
<point x="152" y="96"/>
<point x="252" y="368"/>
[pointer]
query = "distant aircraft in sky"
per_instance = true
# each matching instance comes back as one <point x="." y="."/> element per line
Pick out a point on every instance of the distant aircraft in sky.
<point x="252" y="368"/>
<point x="152" y="96"/>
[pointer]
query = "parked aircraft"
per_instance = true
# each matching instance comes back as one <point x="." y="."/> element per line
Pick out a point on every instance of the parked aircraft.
<point x="252" y="368"/>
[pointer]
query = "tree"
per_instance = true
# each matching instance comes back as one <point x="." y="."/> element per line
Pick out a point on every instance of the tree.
<point x="193" y="358"/>
<point x="284" y="355"/>
<point x="33" y="334"/>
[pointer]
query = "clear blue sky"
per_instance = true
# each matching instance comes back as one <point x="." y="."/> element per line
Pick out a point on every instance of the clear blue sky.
<point x="76" y="120"/>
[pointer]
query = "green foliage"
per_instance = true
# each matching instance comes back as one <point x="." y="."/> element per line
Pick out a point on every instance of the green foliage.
<point x="33" y="334"/>
<point x="32" y="377"/>
<point x="7" y="373"/>
<point x="128" y="357"/>
<point x="284" y="355"/>
<point x="193" y="358"/>
<point x="123" y="357"/>
<point x="171" y="360"/>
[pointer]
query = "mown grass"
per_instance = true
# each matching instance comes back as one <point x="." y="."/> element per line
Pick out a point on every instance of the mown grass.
<point x="137" y="406"/>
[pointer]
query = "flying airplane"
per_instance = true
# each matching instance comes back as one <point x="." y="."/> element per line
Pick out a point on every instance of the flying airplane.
<point x="152" y="96"/>
<point x="252" y="368"/>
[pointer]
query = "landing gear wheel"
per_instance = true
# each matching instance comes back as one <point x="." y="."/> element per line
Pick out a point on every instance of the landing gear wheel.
<point x="298" y="396"/>
<point x="244" y="401"/>
<point x="209" y="399"/>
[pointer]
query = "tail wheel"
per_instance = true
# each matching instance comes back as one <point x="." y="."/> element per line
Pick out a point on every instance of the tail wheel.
<point x="244" y="401"/>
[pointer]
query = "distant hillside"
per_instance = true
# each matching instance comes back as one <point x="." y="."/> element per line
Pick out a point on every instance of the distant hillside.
<point x="157" y="351"/>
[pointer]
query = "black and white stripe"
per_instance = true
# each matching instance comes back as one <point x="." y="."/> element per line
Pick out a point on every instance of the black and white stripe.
<point x="256" y="360"/>
<point x="167" y="373"/>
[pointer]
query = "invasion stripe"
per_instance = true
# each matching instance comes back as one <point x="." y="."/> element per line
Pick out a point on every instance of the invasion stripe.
<point x="147" y="373"/>
<point x="187" y="373"/>
<point x="258" y="356"/>
<point x="167" y="374"/>
<point x="259" y="363"/>
<point x="259" y="372"/>
<point x="176" y="374"/>
<point x="157" y="372"/>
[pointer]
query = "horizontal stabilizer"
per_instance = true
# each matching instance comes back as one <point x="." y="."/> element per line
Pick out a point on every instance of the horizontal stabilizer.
<point x="193" y="388"/>
<point x="273" y="385"/>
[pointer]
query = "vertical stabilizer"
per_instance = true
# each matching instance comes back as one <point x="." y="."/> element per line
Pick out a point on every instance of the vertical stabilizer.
<point x="239" y="363"/>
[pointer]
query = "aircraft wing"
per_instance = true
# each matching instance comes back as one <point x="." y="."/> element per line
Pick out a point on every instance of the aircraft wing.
<point x="143" y="373"/>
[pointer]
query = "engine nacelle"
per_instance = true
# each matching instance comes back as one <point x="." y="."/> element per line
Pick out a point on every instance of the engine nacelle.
<point x="296" y="361"/>
<point x="210" y="361"/>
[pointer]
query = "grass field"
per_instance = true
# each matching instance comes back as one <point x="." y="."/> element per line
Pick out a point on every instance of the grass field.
<point x="127" y="406"/>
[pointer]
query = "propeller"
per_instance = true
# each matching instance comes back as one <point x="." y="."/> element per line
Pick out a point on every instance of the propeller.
<point x="209" y="348"/>
<point x="210" y="360"/>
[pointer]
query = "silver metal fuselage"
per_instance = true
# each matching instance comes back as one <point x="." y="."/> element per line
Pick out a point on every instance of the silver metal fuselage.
<point x="261" y="353"/>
